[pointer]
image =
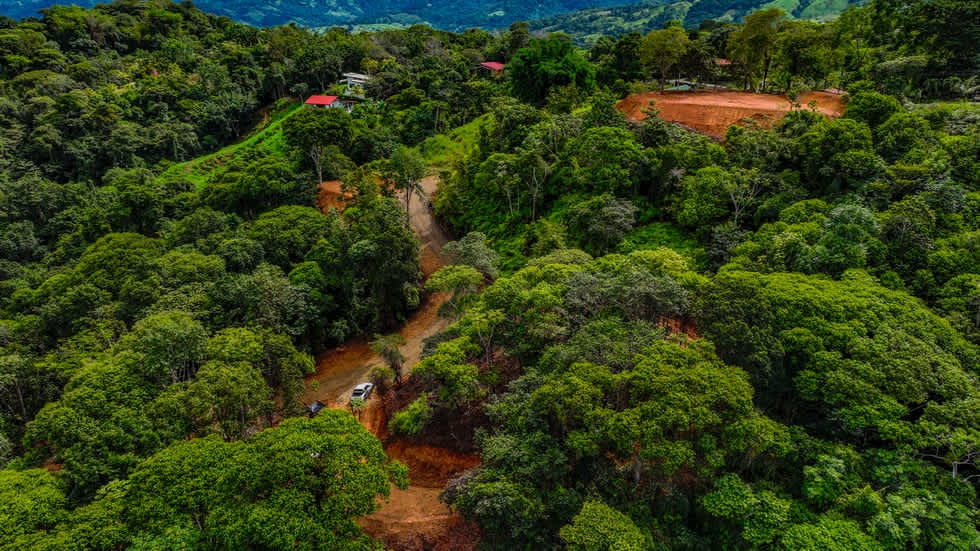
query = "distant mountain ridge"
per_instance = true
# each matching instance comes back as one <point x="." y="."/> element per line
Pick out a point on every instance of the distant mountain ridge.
<point x="587" y="24"/>
<point x="580" y="18"/>
<point x="444" y="14"/>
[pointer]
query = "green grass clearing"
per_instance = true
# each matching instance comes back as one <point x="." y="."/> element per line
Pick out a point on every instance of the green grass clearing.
<point x="267" y="135"/>
<point x="440" y="151"/>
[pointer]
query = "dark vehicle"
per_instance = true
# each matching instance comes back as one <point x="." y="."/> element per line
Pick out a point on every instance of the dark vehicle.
<point x="314" y="408"/>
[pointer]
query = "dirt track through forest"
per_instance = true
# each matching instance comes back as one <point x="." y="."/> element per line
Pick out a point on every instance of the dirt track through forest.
<point x="413" y="518"/>
<point x="338" y="370"/>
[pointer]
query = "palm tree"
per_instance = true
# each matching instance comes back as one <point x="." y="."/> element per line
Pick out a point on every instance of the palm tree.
<point x="387" y="346"/>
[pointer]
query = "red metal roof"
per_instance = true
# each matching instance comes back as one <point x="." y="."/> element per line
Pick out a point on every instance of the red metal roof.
<point x="493" y="65"/>
<point x="722" y="62"/>
<point x="321" y="100"/>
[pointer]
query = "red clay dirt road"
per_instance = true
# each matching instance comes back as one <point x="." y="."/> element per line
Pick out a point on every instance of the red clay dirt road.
<point x="713" y="111"/>
<point x="412" y="519"/>
<point x="338" y="370"/>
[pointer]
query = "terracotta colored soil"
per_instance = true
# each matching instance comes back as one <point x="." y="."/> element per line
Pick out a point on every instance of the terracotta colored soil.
<point x="412" y="519"/>
<point x="712" y="112"/>
<point x="331" y="197"/>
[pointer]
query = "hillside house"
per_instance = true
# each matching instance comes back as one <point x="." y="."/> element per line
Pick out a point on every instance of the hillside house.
<point x="332" y="102"/>
<point x="355" y="83"/>
<point x="323" y="101"/>
<point x="495" y="68"/>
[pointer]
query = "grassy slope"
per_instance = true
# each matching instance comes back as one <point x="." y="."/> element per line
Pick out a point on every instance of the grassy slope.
<point x="267" y="134"/>
<point x="440" y="151"/>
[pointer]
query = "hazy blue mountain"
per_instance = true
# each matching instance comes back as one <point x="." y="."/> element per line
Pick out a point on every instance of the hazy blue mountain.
<point x="581" y="18"/>
<point x="444" y="14"/>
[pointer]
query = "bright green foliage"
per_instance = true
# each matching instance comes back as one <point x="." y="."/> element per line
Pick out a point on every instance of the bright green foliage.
<point x="837" y="156"/>
<point x="456" y="381"/>
<point x="99" y="428"/>
<point x="30" y="500"/>
<point x="662" y="49"/>
<point x="265" y="298"/>
<point x="680" y="399"/>
<point x="413" y="418"/>
<point x="300" y="484"/>
<point x="404" y="171"/>
<point x="762" y="516"/>
<point x="803" y="391"/>
<point x="818" y="241"/>
<point x="902" y="133"/>
<point x="312" y="128"/>
<point x="598" y="527"/>
<point x="172" y="344"/>
<point x="459" y="279"/>
<point x="861" y="355"/>
<point x="702" y="201"/>
<point x="227" y="398"/>
<point x="275" y="357"/>
<point x="607" y="160"/>
<point x="754" y="46"/>
<point x="828" y="534"/>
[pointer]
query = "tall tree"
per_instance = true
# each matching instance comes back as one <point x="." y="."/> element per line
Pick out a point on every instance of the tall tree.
<point x="405" y="171"/>
<point x="754" y="45"/>
<point x="546" y="63"/>
<point x="663" y="49"/>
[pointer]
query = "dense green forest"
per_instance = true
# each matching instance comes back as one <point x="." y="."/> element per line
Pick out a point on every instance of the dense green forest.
<point x="658" y="340"/>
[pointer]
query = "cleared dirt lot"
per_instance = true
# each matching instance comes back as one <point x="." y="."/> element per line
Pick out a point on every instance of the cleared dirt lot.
<point x="713" y="111"/>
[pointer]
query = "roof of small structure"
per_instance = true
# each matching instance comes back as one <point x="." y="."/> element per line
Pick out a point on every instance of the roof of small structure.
<point x="722" y="61"/>
<point x="493" y="65"/>
<point x="321" y="100"/>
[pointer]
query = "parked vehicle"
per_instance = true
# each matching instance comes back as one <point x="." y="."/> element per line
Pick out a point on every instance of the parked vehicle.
<point x="362" y="391"/>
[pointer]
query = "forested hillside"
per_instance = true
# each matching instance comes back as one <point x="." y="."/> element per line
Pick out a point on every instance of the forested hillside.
<point x="656" y="339"/>
<point x="456" y="15"/>
<point x="581" y="18"/>
<point x="590" y="24"/>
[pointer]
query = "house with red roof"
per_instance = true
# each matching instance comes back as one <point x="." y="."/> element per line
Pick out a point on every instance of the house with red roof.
<point x="323" y="101"/>
<point x="495" y="68"/>
<point x="330" y="102"/>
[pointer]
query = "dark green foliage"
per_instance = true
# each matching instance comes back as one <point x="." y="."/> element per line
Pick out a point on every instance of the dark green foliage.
<point x="871" y="108"/>
<point x="599" y="224"/>
<point x="814" y="384"/>
<point x="860" y="356"/>
<point x="548" y="63"/>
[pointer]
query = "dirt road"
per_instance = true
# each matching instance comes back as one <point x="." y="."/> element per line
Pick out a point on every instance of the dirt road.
<point x="412" y="519"/>
<point x="338" y="370"/>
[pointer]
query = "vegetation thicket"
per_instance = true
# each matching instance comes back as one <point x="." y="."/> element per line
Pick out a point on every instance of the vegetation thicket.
<point x="669" y="342"/>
